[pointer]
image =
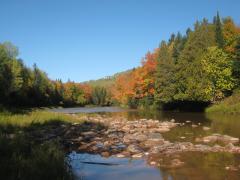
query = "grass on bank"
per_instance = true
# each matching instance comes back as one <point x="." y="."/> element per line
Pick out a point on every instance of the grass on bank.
<point x="21" y="157"/>
<point x="230" y="105"/>
<point x="35" y="116"/>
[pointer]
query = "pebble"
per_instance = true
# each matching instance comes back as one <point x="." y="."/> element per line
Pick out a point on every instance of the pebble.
<point x="206" y="128"/>
<point x="153" y="163"/>
<point x="140" y="155"/>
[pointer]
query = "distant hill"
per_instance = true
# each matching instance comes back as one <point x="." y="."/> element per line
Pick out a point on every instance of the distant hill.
<point x="106" y="81"/>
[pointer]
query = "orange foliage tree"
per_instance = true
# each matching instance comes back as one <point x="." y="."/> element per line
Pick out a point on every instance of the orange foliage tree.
<point x="230" y="32"/>
<point x="138" y="83"/>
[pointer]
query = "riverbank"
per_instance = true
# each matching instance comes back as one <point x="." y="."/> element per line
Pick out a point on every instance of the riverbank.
<point x="127" y="135"/>
<point x="24" y="155"/>
<point x="230" y="105"/>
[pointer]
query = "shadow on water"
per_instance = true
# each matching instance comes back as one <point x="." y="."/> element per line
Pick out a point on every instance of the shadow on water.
<point x="186" y="106"/>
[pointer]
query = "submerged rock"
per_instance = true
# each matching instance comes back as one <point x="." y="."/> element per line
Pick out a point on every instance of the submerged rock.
<point x="154" y="136"/>
<point x="134" y="149"/>
<point x="176" y="163"/>
<point x="225" y="139"/>
<point x="152" y="142"/>
<point x="105" y="154"/>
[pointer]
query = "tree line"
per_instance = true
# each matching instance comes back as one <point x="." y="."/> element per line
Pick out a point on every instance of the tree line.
<point x="31" y="87"/>
<point x="201" y="66"/>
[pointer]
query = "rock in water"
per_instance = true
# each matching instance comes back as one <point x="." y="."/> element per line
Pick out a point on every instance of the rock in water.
<point x="225" y="139"/>
<point x="134" y="149"/>
<point x="206" y="128"/>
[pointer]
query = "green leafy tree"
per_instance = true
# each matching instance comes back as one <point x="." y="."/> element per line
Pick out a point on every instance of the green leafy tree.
<point x="11" y="50"/>
<point x="218" y="69"/>
<point x="17" y="78"/>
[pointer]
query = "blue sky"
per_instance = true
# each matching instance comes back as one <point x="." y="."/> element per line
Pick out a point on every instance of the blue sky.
<point x="89" y="39"/>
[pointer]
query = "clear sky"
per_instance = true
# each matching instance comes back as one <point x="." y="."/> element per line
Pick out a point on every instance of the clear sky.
<point x="90" y="39"/>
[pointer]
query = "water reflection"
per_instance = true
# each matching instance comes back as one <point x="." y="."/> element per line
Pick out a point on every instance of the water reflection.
<point x="125" y="168"/>
<point x="219" y="166"/>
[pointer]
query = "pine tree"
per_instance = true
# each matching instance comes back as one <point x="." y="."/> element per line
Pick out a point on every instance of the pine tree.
<point x="164" y="86"/>
<point x="237" y="49"/>
<point x="236" y="62"/>
<point x="218" y="31"/>
<point x="189" y="78"/>
<point x="172" y="38"/>
<point x="178" y="46"/>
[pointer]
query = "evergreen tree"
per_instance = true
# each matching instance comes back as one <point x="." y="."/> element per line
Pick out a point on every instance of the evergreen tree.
<point x="218" y="31"/>
<point x="172" y="38"/>
<point x="178" y="46"/>
<point x="237" y="48"/>
<point x="189" y="78"/>
<point x="164" y="83"/>
<point x="236" y="62"/>
<point x="99" y="96"/>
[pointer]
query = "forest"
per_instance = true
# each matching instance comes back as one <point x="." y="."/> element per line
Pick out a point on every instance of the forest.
<point x="199" y="67"/>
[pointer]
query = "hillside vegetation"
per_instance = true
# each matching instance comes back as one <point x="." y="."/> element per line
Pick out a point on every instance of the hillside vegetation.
<point x="229" y="105"/>
<point x="107" y="82"/>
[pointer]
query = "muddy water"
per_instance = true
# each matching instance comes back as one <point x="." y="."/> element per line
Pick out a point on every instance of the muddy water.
<point x="196" y="165"/>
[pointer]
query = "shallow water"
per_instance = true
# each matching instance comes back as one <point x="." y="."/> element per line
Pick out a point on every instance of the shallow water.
<point x="120" y="170"/>
<point x="88" y="110"/>
<point x="196" y="165"/>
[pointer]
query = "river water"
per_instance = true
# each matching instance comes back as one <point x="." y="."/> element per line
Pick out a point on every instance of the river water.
<point x="196" y="165"/>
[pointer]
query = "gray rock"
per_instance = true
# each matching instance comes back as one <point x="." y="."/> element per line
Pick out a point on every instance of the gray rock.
<point x="155" y="136"/>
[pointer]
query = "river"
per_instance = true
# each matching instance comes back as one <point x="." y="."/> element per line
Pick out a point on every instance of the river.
<point x="197" y="165"/>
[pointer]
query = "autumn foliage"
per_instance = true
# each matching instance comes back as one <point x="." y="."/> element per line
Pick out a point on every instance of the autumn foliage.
<point x="138" y="83"/>
<point x="200" y="66"/>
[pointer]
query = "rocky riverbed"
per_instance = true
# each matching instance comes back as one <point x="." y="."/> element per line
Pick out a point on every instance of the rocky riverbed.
<point x="136" y="139"/>
<point x="140" y="138"/>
